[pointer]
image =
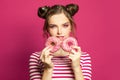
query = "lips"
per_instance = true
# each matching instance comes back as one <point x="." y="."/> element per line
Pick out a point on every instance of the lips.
<point x="60" y="37"/>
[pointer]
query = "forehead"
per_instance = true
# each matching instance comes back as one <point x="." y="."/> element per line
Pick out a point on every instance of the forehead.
<point x="58" y="19"/>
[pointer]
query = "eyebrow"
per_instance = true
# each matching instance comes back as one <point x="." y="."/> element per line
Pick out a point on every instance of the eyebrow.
<point x="62" y="24"/>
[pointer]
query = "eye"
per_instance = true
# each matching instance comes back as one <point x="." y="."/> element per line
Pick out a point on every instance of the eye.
<point x="65" y="25"/>
<point x="52" y="26"/>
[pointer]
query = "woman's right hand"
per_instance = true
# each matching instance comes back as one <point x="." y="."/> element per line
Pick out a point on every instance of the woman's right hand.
<point x="46" y="57"/>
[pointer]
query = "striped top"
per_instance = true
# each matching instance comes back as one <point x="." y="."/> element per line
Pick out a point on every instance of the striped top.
<point x="62" y="67"/>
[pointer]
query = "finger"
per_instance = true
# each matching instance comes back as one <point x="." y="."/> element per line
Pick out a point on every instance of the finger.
<point x="40" y="57"/>
<point x="48" y="52"/>
<point x="76" y="48"/>
<point x="46" y="48"/>
<point x="42" y="60"/>
<point x="73" y="51"/>
<point x="50" y="57"/>
<point x="43" y="51"/>
<point x="70" y="56"/>
<point x="43" y="57"/>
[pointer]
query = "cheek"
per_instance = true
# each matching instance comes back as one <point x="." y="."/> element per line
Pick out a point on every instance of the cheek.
<point x="68" y="30"/>
<point x="52" y="32"/>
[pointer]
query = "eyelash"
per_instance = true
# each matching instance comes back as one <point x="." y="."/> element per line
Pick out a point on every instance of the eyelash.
<point x="65" y="25"/>
<point x="52" y="26"/>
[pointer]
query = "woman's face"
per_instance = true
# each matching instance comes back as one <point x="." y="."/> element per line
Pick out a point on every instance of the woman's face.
<point x="59" y="26"/>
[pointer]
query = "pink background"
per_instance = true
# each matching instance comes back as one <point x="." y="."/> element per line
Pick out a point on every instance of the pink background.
<point x="97" y="30"/>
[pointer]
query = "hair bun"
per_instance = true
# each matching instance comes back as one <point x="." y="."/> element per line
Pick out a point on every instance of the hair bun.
<point x="42" y="11"/>
<point x="72" y="8"/>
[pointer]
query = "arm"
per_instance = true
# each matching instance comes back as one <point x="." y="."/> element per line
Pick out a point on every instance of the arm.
<point x="34" y="67"/>
<point x="78" y="73"/>
<point x="48" y="65"/>
<point x="84" y="71"/>
<point x="47" y="74"/>
<point x="86" y="66"/>
<point x="75" y="56"/>
<point x="81" y="64"/>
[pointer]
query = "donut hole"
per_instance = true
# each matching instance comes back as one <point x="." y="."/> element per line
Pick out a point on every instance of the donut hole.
<point x="52" y="43"/>
<point x="75" y="49"/>
<point x="70" y="43"/>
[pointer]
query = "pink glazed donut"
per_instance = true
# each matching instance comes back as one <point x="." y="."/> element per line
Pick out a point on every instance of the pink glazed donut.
<point x="53" y="41"/>
<point x="68" y="43"/>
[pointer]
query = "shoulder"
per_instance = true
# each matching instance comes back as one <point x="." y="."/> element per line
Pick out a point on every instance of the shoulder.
<point x="85" y="54"/>
<point x="35" y="58"/>
<point x="35" y="55"/>
<point x="85" y="59"/>
<point x="86" y="65"/>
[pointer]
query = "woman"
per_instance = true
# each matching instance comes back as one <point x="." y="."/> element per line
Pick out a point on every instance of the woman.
<point x="60" y="65"/>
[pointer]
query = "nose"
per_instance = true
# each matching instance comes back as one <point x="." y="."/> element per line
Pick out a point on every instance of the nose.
<point x="59" y="31"/>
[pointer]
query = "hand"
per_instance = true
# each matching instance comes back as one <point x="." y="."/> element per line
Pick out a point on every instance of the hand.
<point x="75" y="55"/>
<point x="46" y="57"/>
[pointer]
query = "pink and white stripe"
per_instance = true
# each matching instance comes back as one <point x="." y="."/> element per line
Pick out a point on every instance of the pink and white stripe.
<point x="62" y="68"/>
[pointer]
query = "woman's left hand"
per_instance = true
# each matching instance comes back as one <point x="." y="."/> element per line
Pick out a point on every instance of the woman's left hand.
<point x="75" y="55"/>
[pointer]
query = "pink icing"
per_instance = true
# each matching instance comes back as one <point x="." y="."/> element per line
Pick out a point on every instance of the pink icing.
<point x="68" y="43"/>
<point x="53" y="41"/>
<point x="56" y="43"/>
